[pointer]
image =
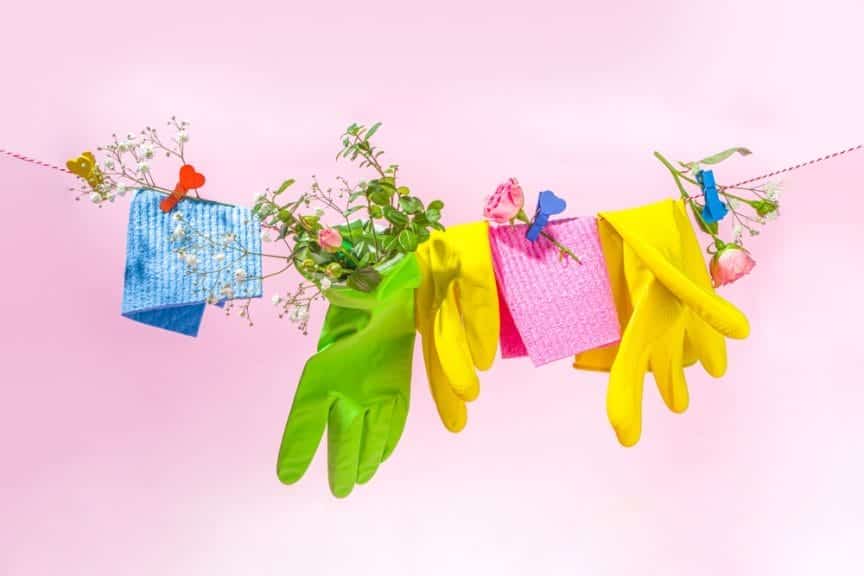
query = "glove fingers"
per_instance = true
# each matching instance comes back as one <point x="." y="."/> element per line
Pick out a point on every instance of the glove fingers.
<point x="303" y="433"/>
<point x="451" y="408"/>
<point x="344" y="433"/>
<point x="668" y="368"/>
<point x="709" y="346"/>
<point x="477" y="294"/>
<point x="482" y="324"/>
<point x="376" y="428"/>
<point x="453" y="351"/>
<point x="397" y="425"/>
<point x="646" y="327"/>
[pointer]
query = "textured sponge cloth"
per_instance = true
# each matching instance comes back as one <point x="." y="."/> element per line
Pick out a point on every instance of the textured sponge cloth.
<point x="161" y="288"/>
<point x="553" y="308"/>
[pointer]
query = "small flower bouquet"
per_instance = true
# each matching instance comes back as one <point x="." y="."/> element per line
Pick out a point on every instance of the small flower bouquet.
<point x="344" y="236"/>
<point x="750" y="207"/>
<point x="374" y="221"/>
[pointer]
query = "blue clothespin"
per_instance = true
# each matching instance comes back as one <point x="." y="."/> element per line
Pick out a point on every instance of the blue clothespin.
<point x="714" y="209"/>
<point x="548" y="204"/>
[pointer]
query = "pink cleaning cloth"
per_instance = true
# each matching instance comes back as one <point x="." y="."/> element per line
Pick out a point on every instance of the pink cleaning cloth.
<point x="553" y="309"/>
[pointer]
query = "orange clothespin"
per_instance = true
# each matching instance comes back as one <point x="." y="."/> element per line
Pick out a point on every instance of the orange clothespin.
<point x="189" y="180"/>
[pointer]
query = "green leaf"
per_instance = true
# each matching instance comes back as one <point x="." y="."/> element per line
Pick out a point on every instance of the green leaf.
<point x="408" y="240"/>
<point x="436" y="205"/>
<point x="389" y="242"/>
<point x="410" y="204"/>
<point x="387" y="181"/>
<point x="284" y="186"/>
<point x="395" y="217"/>
<point x="422" y="234"/>
<point x="286" y="216"/>
<point x="360" y="249"/>
<point x="721" y="156"/>
<point x="764" y="207"/>
<point x="433" y="216"/>
<point x="403" y="190"/>
<point x="354" y="209"/>
<point x="380" y="195"/>
<point x="364" y="279"/>
<point x="355" y="195"/>
<point x="372" y="130"/>
<point x="375" y="212"/>
<point x="436" y="226"/>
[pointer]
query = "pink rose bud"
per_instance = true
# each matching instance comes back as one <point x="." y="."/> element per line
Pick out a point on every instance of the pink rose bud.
<point x="730" y="263"/>
<point x="329" y="239"/>
<point x="506" y="203"/>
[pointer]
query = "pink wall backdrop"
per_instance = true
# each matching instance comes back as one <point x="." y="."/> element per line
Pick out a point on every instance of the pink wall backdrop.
<point x="114" y="463"/>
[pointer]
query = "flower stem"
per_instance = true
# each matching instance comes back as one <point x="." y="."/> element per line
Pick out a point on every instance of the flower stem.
<point x="677" y="175"/>
<point x="522" y="217"/>
<point x="561" y="248"/>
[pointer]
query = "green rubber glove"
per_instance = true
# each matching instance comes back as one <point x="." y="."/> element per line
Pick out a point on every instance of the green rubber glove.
<point x="357" y="384"/>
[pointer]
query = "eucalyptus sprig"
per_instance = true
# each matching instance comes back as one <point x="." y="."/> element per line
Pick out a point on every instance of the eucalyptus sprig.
<point x="370" y="223"/>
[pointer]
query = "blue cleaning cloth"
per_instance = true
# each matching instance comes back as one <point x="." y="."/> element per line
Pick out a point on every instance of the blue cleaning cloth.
<point x="179" y="261"/>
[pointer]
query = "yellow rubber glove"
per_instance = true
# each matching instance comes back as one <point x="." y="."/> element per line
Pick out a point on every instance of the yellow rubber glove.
<point x="669" y="313"/>
<point x="457" y="316"/>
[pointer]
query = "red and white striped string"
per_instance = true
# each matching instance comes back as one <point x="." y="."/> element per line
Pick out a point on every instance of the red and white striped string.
<point x="798" y="166"/>
<point x="24" y="158"/>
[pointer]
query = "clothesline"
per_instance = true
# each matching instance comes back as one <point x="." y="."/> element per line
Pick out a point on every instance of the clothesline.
<point x="785" y="170"/>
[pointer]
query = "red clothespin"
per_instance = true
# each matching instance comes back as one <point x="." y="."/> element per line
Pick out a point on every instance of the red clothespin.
<point x="189" y="180"/>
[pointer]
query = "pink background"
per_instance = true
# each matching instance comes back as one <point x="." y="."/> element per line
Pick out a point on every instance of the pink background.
<point x="114" y="462"/>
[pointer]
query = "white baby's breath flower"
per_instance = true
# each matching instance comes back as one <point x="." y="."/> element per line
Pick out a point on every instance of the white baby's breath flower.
<point x="276" y="299"/>
<point x="143" y="167"/>
<point x="147" y="151"/>
<point x="108" y="164"/>
<point x="240" y="275"/>
<point x="219" y="257"/>
<point x="95" y="197"/>
<point x="179" y="232"/>
<point x="325" y="283"/>
<point x="265" y="236"/>
<point x="230" y="237"/>
<point x="121" y="189"/>
<point x="319" y="212"/>
<point x="773" y="189"/>
<point x="772" y="216"/>
<point x="191" y="260"/>
<point x="734" y="204"/>
<point x="737" y="232"/>
<point x="227" y="291"/>
<point x="182" y="136"/>
<point x="177" y="216"/>
<point x="299" y="314"/>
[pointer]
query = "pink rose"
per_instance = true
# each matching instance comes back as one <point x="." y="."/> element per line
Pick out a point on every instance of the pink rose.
<point x="329" y="239"/>
<point x="506" y="203"/>
<point x="730" y="263"/>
